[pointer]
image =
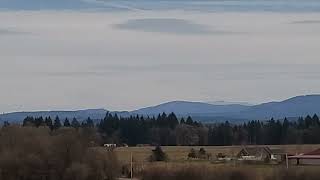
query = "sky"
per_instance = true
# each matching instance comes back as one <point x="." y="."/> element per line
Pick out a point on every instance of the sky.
<point x="136" y="56"/>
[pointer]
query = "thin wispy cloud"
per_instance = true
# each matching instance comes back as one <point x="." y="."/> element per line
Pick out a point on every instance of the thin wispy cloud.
<point x="306" y="22"/>
<point x="7" y="31"/>
<point x="112" y="4"/>
<point x="169" y="26"/>
<point x="211" y="71"/>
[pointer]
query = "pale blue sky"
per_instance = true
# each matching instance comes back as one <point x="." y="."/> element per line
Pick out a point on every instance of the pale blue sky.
<point x="122" y="60"/>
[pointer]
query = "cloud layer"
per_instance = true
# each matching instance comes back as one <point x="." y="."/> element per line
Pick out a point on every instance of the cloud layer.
<point x="131" y="59"/>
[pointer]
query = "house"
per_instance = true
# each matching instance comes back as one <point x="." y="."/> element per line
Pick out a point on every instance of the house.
<point x="278" y="155"/>
<point x="260" y="153"/>
<point x="110" y="145"/>
<point x="310" y="158"/>
<point x="255" y="154"/>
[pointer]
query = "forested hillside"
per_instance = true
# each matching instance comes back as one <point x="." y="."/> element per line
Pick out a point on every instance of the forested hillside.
<point x="169" y="130"/>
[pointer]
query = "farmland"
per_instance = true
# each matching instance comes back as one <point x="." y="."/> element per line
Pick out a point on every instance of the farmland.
<point x="179" y="165"/>
<point x="180" y="153"/>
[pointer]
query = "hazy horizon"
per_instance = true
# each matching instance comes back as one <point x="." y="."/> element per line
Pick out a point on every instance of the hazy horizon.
<point x="121" y="55"/>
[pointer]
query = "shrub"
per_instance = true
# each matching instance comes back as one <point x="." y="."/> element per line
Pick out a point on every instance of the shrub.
<point x="221" y="155"/>
<point x="202" y="152"/>
<point x="158" y="155"/>
<point x="192" y="154"/>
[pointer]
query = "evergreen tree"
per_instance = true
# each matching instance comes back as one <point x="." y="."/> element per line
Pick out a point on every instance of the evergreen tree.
<point x="189" y="121"/>
<point x="39" y="121"/>
<point x="110" y="124"/>
<point x="6" y="124"/>
<point x="28" y="121"/>
<point x="301" y="123"/>
<point x="48" y="122"/>
<point x="158" y="155"/>
<point x="316" y="121"/>
<point x="57" y="123"/>
<point x="285" y="129"/>
<point x="182" y="121"/>
<point x="172" y="120"/>
<point x="89" y="123"/>
<point x="227" y="134"/>
<point x="308" y="121"/>
<point x="75" y="123"/>
<point x="66" y="123"/>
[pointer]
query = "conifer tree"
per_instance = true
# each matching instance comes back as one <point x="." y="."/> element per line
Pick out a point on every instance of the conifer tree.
<point x="189" y="121"/>
<point x="75" y="123"/>
<point x="66" y="123"/>
<point x="158" y="155"/>
<point x="182" y="121"/>
<point x="29" y="121"/>
<point x="48" y="122"/>
<point x="89" y="123"/>
<point x="57" y="123"/>
<point x="38" y="121"/>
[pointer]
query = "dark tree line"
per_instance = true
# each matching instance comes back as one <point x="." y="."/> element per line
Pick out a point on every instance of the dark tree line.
<point x="56" y="123"/>
<point x="163" y="130"/>
<point x="303" y="131"/>
<point x="169" y="130"/>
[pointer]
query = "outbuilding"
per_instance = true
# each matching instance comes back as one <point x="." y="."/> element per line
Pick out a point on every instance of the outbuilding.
<point x="310" y="158"/>
<point x="255" y="154"/>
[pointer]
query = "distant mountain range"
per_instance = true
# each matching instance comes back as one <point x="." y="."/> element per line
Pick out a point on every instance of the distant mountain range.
<point x="80" y="115"/>
<point x="205" y="112"/>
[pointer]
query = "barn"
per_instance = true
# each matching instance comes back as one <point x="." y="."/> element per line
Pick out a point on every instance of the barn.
<point x="310" y="158"/>
<point x="255" y="153"/>
<point x="262" y="154"/>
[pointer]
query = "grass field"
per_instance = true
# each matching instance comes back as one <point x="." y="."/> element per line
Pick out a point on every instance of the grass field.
<point x="178" y="159"/>
<point x="179" y="153"/>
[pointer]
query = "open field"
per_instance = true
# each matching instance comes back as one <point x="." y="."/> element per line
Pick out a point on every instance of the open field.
<point x="178" y="161"/>
<point x="180" y="153"/>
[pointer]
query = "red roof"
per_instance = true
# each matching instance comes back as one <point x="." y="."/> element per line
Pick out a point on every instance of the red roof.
<point x="313" y="153"/>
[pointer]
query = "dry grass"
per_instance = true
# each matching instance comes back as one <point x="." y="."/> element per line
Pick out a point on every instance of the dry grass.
<point x="180" y="153"/>
<point x="205" y="172"/>
<point x="199" y="172"/>
<point x="178" y="158"/>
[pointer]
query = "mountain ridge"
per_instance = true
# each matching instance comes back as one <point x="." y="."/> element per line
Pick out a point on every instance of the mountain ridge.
<point x="201" y="111"/>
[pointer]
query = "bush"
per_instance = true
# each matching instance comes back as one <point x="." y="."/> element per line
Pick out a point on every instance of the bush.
<point x="158" y="155"/>
<point x="192" y="154"/>
<point x="201" y="154"/>
<point x="221" y="155"/>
